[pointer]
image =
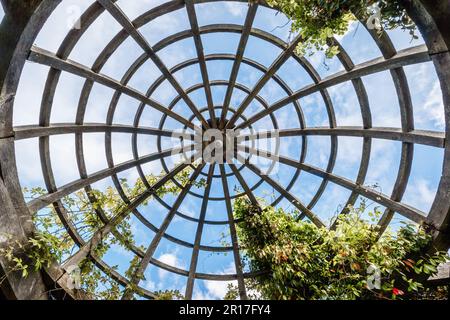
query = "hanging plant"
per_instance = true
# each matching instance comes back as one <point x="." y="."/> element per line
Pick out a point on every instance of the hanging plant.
<point x="317" y="21"/>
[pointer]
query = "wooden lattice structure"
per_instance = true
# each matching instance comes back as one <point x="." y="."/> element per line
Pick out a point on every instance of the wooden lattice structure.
<point x="24" y="20"/>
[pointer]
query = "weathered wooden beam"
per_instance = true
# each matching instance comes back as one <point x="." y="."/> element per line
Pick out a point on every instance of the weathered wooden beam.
<point x="192" y="15"/>
<point x="17" y="31"/>
<point x="409" y="212"/>
<point x="34" y="131"/>
<point x="234" y="237"/>
<point x="44" y="201"/>
<point x="276" y="65"/>
<point x="128" y="25"/>
<point x="198" y="235"/>
<point x="48" y="58"/>
<point x="143" y="264"/>
<point x="431" y="18"/>
<point x="251" y="14"/>
<point x="405" y="57"/>
<point x="425" y="137"/>
<point x="17" y="16"/>
<point x="15" y="227"/>
<point x="442" y="277"/>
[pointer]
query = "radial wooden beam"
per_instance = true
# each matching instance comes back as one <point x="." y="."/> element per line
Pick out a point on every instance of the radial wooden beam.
<point x="289" y="196"/>
<point x="309" y="69"/>
<point x="234" y="237"/>
<point x="48" y="58"/>
<point x="276" y="65"/>
<point x="128" y="25"/>
<point x="198" y="235"/>
<point x="100" y="234"/>
<point x="143" y="264"/>
<point x="407" y="211"/>
<point x="43" y="201"/>
<point x="405" y="57"/>
<point x="425" y="137"/>
<point x="190" y="7"/>
<point x="251" y="14"/>
<point x="34" y="131"/>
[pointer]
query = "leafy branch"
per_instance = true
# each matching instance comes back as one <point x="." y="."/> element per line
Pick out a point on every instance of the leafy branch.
<point x="317" y="21"/>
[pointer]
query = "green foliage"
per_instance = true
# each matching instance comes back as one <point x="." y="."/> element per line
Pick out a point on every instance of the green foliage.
<point x="169" y="295"/>
<point x="307" y="262"/>
<point x="37" y="253"/>
<point x="303" y="261"/>
<point x="318" y="21"/>
<point x="51" y="242"/>
<point x="97" y="285"/>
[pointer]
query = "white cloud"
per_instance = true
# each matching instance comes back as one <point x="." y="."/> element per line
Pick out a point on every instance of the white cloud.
<point x="189" y="207"/>
<point x="427" y="96"/>
<point x="235" y="8"/>
<point x="425" y="192"/>
<point x="149" y="285"/>
<point x="170" y="259"/>
<point x="216" y="290"/>
<point x="350" y="31"/>
<point x="433" y="109"/>
<point x="383" y="166"/>
<point x="134" y="8"/>
<point x="346" y="105"/>
<point x="420" y="194"/>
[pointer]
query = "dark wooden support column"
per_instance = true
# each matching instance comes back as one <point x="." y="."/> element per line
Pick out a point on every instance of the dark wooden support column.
<point x="17" y="15"/>
<point x="432" y="19"/>
<point x="439" y="11"/>
<point x="15" y="219"/>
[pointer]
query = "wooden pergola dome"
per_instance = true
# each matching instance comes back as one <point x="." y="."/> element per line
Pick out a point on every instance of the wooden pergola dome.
<point x="23" y="22"/>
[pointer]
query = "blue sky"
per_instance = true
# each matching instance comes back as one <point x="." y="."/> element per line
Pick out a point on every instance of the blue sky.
<point x="384" y="160"/>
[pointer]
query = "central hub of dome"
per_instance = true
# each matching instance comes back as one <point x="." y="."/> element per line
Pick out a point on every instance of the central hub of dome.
<point x="218" y="144"/>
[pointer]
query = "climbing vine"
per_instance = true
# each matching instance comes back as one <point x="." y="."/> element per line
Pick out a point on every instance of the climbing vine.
<point x="351" y="261"/>
<point x="52" y="243"/>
